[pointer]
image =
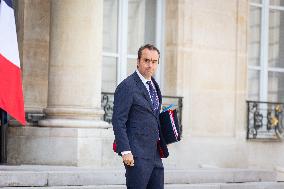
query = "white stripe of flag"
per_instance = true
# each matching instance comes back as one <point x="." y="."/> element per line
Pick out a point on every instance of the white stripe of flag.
<point x="8" y="37"/>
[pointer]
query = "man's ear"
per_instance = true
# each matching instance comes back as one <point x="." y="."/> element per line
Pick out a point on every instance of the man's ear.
<point x="137" y="63"/>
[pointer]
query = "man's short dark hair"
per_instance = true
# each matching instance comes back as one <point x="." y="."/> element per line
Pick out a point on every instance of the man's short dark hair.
<point x="147" y="46"/>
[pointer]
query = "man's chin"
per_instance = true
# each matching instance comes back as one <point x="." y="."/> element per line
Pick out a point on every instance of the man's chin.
<point x="150" y="74"/>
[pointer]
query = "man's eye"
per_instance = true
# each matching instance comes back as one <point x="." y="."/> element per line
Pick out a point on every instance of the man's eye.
<point x="147" y="60"/>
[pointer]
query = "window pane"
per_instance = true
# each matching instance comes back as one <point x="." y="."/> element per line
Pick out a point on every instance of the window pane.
<point x="109" y="74"/>
<point x="276" y="2"/>
<point x="141" y="23"/>
<point x="253" y="84"/>
<point x="110" y="26"/>
<point x="276" y="38"/>
<point x="131" y="65"/>
<point x="254" y="36"/>
<point x="276" y="87"/>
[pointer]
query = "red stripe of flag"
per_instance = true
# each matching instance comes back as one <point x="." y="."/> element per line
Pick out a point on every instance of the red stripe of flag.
<point x="11" y="95"/>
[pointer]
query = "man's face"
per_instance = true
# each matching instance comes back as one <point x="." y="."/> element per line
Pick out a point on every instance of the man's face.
<point x="148" y="63"/>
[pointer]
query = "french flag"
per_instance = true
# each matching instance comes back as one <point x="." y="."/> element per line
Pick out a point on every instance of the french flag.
<point x="11" y="93"/>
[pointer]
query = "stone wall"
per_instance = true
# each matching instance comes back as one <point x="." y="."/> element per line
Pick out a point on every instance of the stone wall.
<point x="206" y="63"/>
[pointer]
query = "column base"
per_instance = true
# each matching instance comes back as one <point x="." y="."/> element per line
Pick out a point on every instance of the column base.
<point x="74" y="123"/>
<point x="62" y="146"/>
<point x="74" y="118"/>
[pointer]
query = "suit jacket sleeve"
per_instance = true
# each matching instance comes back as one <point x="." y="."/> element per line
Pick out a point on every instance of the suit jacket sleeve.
<point x="123" y="99"/>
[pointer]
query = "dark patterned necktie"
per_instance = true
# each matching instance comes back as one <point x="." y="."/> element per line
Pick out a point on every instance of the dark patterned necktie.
<point x="154" y="96"/>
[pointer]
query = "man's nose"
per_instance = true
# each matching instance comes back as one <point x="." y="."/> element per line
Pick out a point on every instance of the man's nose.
<point x="150" y="65"/>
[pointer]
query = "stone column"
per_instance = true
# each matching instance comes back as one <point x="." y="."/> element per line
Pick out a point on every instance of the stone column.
<point x="72" y="133"/>
<point x="74" y="90"/>
<point x="33" y="20"/>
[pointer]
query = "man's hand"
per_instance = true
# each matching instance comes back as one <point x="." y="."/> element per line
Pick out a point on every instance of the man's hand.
<point x="128" y="159"/>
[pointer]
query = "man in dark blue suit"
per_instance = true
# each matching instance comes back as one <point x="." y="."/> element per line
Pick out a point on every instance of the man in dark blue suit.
<point x="136" y="125"/>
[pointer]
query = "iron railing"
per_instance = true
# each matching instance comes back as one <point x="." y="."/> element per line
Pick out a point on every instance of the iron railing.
<point x="107" y="105"/>
<point x="265" y="120"/>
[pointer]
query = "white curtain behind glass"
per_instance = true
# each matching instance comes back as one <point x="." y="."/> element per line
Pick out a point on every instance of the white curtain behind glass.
<point x="141" y="28"/>
<point x="254" y="53"/>
<point x="110" y="24"/>
<point x="276" y="55"/>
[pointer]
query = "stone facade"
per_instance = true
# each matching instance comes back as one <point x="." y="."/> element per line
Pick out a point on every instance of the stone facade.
<point x="205" y="62"/>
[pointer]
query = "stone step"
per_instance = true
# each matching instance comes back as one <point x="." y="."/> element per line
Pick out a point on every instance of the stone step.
<point x="73" y="176"/>
<point x="252" y="185"/>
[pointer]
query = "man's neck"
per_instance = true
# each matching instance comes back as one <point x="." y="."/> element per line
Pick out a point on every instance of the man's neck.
<point x="142" y="77"/>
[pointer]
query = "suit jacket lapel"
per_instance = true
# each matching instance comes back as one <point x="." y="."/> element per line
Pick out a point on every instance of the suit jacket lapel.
<point x="143" y="89"/>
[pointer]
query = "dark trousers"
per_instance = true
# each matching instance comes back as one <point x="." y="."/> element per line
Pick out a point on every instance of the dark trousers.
<point x="145" y="174"/>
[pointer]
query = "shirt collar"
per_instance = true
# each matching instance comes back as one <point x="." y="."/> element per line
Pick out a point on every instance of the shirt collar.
<point x="142" y="77"/>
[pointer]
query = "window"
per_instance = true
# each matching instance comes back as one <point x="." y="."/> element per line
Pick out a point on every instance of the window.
<point x="266" y="51"/>
<point x="127" y="25"/>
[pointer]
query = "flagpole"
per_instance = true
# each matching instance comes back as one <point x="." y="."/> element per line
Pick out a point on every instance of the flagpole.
<point x="3" y="139"/>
